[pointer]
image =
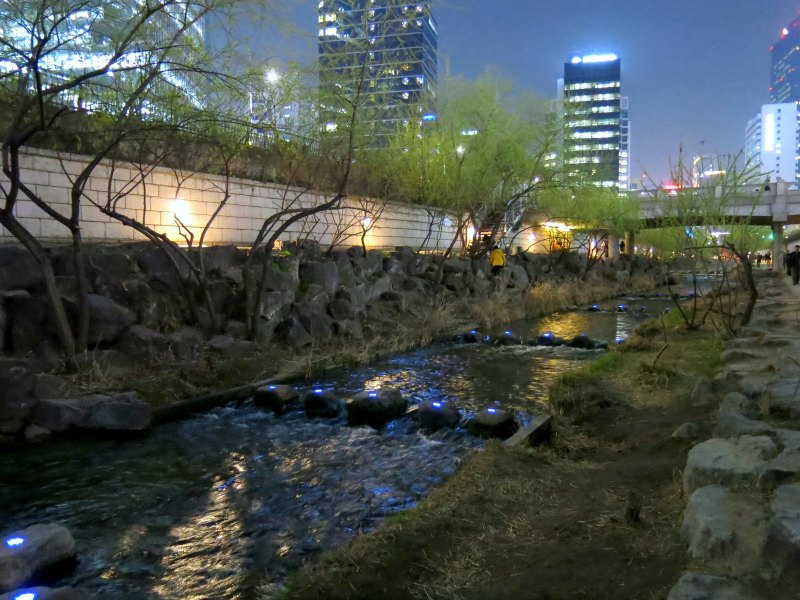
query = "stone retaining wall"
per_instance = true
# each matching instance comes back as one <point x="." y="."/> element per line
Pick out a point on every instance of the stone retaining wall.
<point x="742" y="485"/>
<point x="194" y="201"/>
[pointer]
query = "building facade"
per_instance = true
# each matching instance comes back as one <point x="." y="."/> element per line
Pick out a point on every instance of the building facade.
<point x="595" y="121"/>
<point x="773" y="141"/>
<point x="381" y="54"/>
<point x="785" y="76"/>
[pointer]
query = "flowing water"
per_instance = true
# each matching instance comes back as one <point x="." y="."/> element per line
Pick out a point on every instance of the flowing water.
<point x="237" y="497"/>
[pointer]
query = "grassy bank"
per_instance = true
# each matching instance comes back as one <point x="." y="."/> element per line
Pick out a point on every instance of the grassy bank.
<point x="593" y="516"/>
<point x="170" y="383"/>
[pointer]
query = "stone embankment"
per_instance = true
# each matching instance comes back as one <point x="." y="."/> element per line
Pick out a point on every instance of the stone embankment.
<point x="742" y="519"/>
<point x="139" y="315"/>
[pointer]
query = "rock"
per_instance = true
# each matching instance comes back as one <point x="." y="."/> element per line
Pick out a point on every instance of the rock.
<point x="324" y="274"/>
<point x="708" y="523"/>
<point x="456" y="265"/>
<point x="28" y="551"/>
<point x="185" y="343"/>
<point x="229" y="347"/>
<point x="701" y="393"/>
<point x="507" y="338"/>
<point x="237" y="329"/>
<point x="143" y="343"/>
<point x="122" y="413"/>
<point x="751" y="389"/>
<point x="341" y="310"/>
<point x="736" y="355"/>
<point x="322" y="404"/>
<point x="107" y="320"/>
<point x="35" y="434"/>
<point x="46" y="593"/>
<point x="315" y="320"/>
<point x="433" y="415"/>
<point x="696" y="586"/>
<point x="582" y="341"/>
<point x="519" y="276"/>
<point x="548" y="339"/>
<point x="492" y="422"/>
<point x="293" y="333"/>
<point x="375" y="407"/>
<point x="18" y="269"/>
<point x="275" y="397"/>
<point x="727" y="462"/>
<point x="350" y="329"/>
<point x="734" y="401"/>
<point x="282" y="275"/>
<point x="30" y="323"/>
<point x="277" y="305"/>
<point x="782" y="548"/>
<point x="732" y="423"/>
<point x="783" y="398"/>
<point x="17" y="400"/>
<point x="688" y="431"/>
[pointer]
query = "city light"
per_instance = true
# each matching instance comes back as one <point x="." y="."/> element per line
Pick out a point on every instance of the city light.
<point x="594" y="58"/>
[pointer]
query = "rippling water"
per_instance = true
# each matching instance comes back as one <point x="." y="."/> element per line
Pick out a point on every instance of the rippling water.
<point x="212" y="506"/>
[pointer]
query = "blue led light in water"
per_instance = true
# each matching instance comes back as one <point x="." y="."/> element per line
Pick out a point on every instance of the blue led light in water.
<point x="595" y="307"/>
<point x="318" y="391"/>
<point x="507" y="332"/>
<point x="547" y="334"/>
<point x="15" y="542"/>
<point x="437" y="405"/>
<point x="272" y="387"/>
<point x="491" y="410"/>
<point x="474" y="331"/>
<point x="619" y="340"/>
<point x="621" y="307"/>
<point x="373" y="394"/>
<point x="26" y="596"/>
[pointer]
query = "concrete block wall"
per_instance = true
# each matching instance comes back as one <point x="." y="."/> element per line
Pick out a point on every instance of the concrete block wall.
<point x="159" y="195"/>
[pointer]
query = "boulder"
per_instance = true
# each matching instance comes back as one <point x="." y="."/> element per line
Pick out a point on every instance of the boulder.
<point x="493" y="422"/>
<point x="434" y="414"/>
<point x="702" y="392"/>
<point x="782" y="548"/>
<point x="107" y="320"/>
<point x="320" y="403"/>
<point x="688" y="431"/>
<point x="548" y="339"/>
<point x="375" y="407"/>
<point x="324" y="274"/>
<point x="275" y="397"/>
<point x="315" y="320"/>
<point x="733" y="462"/>
<point x="341" y="310"/>
<point x="185" y="343"/>
<point x="53" y="386"/>
<point x="282" y="275"/>
<point x="696" y="586"/>
<point x="143" y="343"/>
<point x="708" y="523"/>
<point x="277" y="305"/>
<point x="350" y="329"/>
<point x="582" y="341"/>
<point x="18" y="269"/>
<point x="456" y="265"/>
<point x="783" y="398"/>
<point x="237" y="329"/>
<point x="293" y="333"/>
<point x="507" y="338"/>
<point x="347" y="275"/>
<point x="121" y="413"/>
<point x="46" y="593"/>
<point x="35" y="434"/>
<point x="519" y="276"/>
<point x="751" y="389"/>
<point x="734" y="401"/>
<point x="30" y="323"/>
<point x="17" y="400"/>
<point x="732" y="423"/>
<point x="29" y="551"/>
<point x="229" y="347"/>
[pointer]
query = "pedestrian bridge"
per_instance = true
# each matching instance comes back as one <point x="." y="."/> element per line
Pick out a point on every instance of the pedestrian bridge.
<point x="777" y="205"/>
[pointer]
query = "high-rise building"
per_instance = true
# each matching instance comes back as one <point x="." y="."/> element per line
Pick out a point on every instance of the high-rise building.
<point x="785" y="80"/>
<point x="773" y="141"/>
<point x="595" y="122"/>
<point x="382" y="53"/>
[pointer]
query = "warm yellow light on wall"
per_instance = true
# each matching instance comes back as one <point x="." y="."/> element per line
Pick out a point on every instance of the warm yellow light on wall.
<point x="180" y="211"/>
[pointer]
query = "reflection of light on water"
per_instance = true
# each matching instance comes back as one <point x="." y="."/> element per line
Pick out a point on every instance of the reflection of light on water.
<point x="566" y="325"/>
<point x="189" y="558"/>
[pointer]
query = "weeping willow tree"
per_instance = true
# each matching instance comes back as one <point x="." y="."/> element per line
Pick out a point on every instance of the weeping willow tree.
<point x="484" y="152"/>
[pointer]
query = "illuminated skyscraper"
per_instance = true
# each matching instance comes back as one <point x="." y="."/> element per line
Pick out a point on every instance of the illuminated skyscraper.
<point x="595" y="121"/>
<point x="773" y="141"/>
<point x="785" y="80"/>
<point x="383" y="52"/>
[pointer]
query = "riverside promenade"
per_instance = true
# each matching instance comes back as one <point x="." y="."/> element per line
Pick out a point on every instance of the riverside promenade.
<point x="742" y="484"/>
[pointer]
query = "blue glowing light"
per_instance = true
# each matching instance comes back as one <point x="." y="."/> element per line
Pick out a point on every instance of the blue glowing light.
<point x="507" y="332"/>
<point x="318" y="391"/>
<point x="547" y="334"/>
<point x="15" y="542"/>
<point x="437" y="405"/>
<point x="474" y="331"/>
<point x="373" y="394"/>
<point x="622" y="307"/>
<point x="619" y="340"/>
<point x="429" y="117"/>
<point x="491" y="410"/>
<point x="595" y="307"/>
<point x="272" y="387"/>
<point x="26" y="596"/>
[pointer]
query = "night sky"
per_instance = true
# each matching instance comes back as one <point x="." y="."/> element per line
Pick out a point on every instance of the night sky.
<point x="695" y="70"/>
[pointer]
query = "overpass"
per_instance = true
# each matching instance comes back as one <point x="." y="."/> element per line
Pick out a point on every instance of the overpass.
<point x="776" y="206"/>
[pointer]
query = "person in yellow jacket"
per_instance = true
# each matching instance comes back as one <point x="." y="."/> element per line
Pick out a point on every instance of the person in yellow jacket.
<point x="497" y="258"/>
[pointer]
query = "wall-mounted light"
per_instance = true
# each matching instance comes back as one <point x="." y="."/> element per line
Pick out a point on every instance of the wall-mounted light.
<point x="366" y="221"/>
<point x="180" y="210"/>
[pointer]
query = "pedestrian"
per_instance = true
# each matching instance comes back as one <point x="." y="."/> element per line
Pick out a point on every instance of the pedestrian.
<point x="793" y="262"/>
<point x="758" y="260"/>
<point x="622" y="246"/>
<point x="497" y="258"/>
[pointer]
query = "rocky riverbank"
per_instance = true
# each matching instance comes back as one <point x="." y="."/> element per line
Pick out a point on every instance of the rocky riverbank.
<point x="742" y="479"/>
<point x="146" y="351"/>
